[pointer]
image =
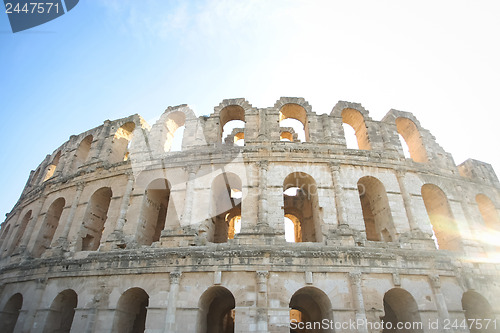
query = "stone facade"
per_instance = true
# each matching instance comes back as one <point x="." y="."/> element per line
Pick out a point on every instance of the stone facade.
<point x="114" y="232"/>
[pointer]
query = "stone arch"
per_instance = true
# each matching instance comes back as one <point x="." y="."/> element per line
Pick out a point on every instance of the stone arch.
<point x="95" y="219"/>
<point x="286" y="136"/>
<point x="174" y="123"/>
<point x="477" y="308"/>
<point x="232" y="121"/>
<point x="401" y="307"/>
<point x="293" y="229"/>
<point x="61" y="312"/>
<point x="20" y="232"/>
<point x="300" y="200"/>
<point x="377" y="214"/>
<point x="53" y="166"/>
<point x="216" y="311"/>
<point x="226" y="196"/>
<point x="488" y="211"/>
<point x="49" y="227"/>
<point x="119" y="145"/>
<point x="154" y="211"/>
<point x="298" y="113"/>
<point x="410" y="133"/>
<point x="355" y="119"/>
<point x="311" y="305"/>
<point x="82" y="152"/>
<point x="131" y="311"/>
<point x="443" y="223"/>
<point x="10" y="313"/>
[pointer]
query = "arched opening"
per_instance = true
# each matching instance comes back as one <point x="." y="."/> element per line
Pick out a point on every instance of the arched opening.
<point x="406" y="149"/>
<point x="410" y="133"/>
<point x="356" y="121"/>
<point x="377" y="214"/>
<point x="121" y="140"/>
<point x="488" y="211"/>
<point x="300" y="198"/>
<point x="49" y="227"/>
<point x="225" y="206"/>
<point x="232" y="123"/>
<point x="478" y="310"/>
<point x="95" y="217"/>
<point x="286" y="136"/>
<point x="131" y="311"/>
<point x="82" y="152"/>
<point x="351" y="140"/>
<point x="154" y="212"/>
<point x="10" y="313"/>
<point x="293" y="230"/>
<point x="216" y="311"/>
<point x="310" y="306"/>
<point x="443" y="223"/>
<point x="53" y="166"/>
<point x="20" y="231"/>
<point x="61" y="312"/>
<point x="239" y="138"/>
<point x="295" y="116"/>
<point x="400" y="307"/>
<point x="174" y="125"/>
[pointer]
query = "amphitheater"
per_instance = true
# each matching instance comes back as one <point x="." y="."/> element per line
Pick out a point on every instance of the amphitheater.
<point x="262" y="220"/>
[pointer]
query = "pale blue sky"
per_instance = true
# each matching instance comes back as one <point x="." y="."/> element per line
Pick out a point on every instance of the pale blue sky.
<point x="108" y="59"/>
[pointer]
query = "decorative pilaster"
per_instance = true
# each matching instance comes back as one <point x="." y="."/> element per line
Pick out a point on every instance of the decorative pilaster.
<point x="31" y="225"/>
<point x="27" y="318"/>
<point x="464" y="203"/>
<point x="262" y="125"/>
<point x="439" y="297"/>
<point x="406" y="200"/>
<point x="339" y="194"/>
<point x="189" y="198"/>
<point x="359" y="304"/>
<point x="5" y="242"/>
<point x="122" y="219"/>
<point x="262" y="305"/>
<point x="263" y="167"/>
<point x="327" y="128"/>
<point x="63" y="239"/>
<point x="175" y="278"/>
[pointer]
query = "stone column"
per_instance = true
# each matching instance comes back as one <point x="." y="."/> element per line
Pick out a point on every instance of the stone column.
<point x="261" y="303"/>
<point x="31" y="225"/>
<point x="359" y="304"/>
<point x="406" y="200"/>
<point x="263" y="167"/>
<point x="118" y="232"/>
<point x="63" y="239"/>
<point x="440" y="301"/>
<point x="339" y="194"/>
<point x="189" y="198"/>
<point x="172" y="302"/>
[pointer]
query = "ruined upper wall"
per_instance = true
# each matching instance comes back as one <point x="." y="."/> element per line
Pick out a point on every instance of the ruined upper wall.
<point x="261" y="126"/>
<point x="132" y="146"/>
